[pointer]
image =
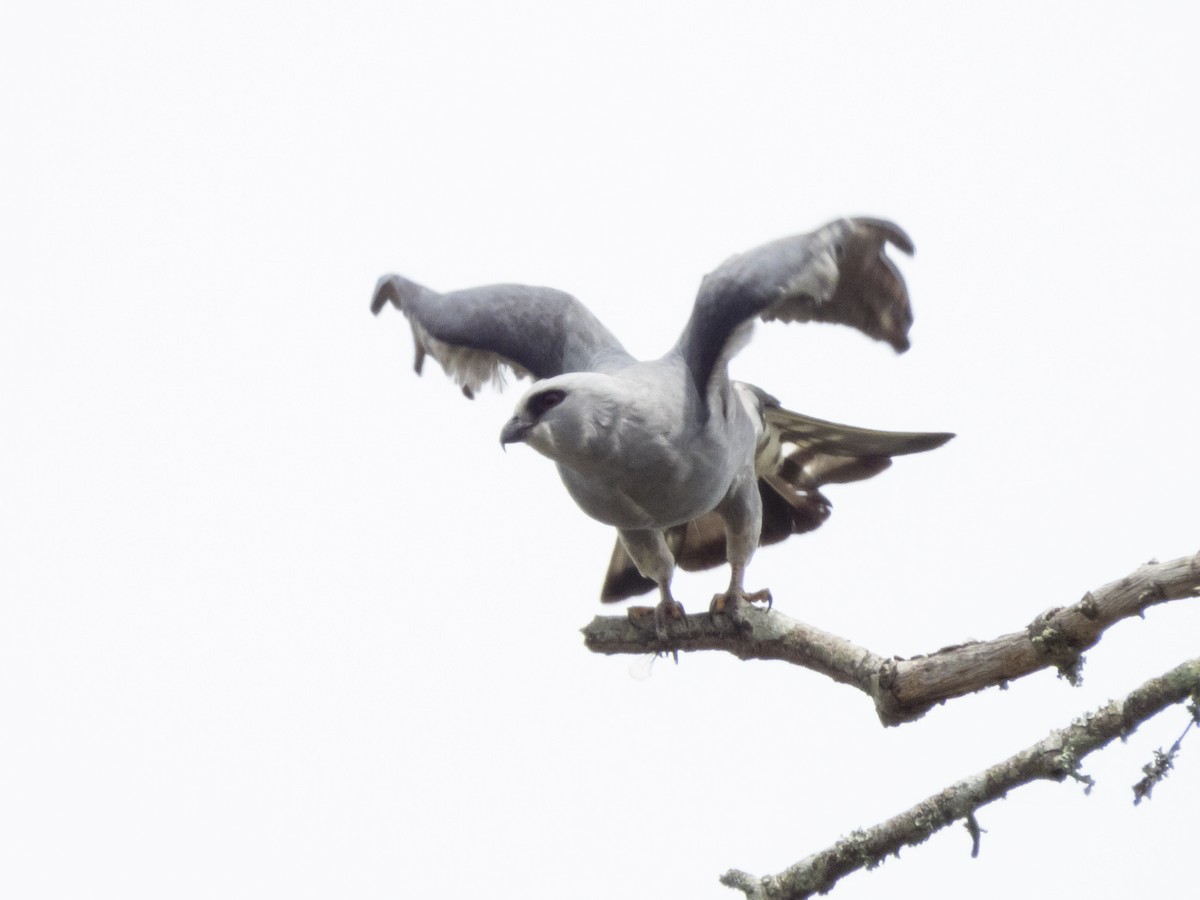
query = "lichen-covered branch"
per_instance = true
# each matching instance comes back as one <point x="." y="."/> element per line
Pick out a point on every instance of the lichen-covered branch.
<point x="904" y="689"/>
<point x="1055" y="758"/>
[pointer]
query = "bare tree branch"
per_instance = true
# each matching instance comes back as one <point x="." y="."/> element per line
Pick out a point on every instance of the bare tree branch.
<point x="1055" y="758"/>
<point x="905" y="689"/>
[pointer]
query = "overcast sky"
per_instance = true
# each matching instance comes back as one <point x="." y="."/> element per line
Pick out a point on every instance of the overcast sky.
<point x="279" y="619"/>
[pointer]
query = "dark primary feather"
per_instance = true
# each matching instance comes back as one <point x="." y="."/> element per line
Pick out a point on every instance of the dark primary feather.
<point x="839" y="273"/>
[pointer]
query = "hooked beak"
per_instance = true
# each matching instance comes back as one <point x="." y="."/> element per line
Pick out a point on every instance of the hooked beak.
<point x="514" y="430"/>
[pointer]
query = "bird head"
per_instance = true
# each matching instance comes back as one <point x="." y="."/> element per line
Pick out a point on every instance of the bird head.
<point x="562" y="417"/>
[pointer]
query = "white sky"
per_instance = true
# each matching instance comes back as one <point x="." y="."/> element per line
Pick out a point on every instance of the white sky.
<point x="278" y="619"/>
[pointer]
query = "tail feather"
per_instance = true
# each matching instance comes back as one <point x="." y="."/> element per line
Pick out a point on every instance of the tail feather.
<point x="848" y="440"/>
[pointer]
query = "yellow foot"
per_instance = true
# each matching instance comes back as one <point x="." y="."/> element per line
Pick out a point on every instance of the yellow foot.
<point x="729" y="601"/>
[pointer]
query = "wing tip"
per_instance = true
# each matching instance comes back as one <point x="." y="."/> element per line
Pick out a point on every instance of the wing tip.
<point x="889" y="232"/>
<point x="386" y="289"/>
<point x="397" y="290"/>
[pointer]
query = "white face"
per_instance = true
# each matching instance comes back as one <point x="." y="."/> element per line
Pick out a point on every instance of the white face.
<point x="562" y="417"/>
<point x="542" y="408"/>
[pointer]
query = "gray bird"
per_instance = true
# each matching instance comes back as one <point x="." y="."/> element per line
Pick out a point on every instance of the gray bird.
<point x="689" y="466"/>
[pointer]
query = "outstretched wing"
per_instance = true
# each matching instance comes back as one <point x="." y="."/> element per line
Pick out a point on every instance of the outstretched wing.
<point x="477" y="333"/>
<point x="818" y="453"/>
<point x="838" y="273"/>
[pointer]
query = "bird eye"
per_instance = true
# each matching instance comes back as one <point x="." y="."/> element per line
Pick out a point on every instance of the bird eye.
<point x="547" y="400"/>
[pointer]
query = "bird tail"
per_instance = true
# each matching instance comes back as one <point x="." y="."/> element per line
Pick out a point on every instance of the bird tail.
<point x="829" y="438"/>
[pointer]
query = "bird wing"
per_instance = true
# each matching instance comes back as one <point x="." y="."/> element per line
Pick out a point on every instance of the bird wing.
<point x="839" y="273"/>
<point x="478" y="333"/>
<point x="812" y="453"/>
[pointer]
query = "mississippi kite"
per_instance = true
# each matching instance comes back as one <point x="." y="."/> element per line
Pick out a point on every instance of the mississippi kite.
<point x="689" y="466"/>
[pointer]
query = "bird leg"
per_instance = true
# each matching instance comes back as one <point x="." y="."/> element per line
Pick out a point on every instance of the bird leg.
<point x="742" y="512"/>
<point x="649" y="551"/>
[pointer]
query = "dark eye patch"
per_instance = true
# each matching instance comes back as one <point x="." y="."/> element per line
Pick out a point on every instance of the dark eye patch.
<point x="539" y="403"/>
